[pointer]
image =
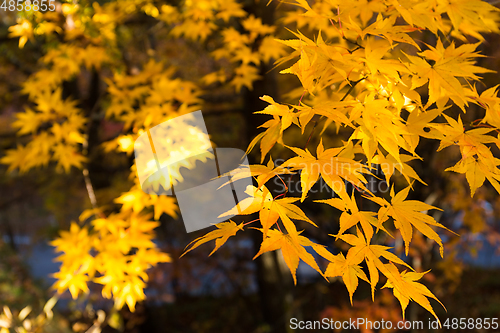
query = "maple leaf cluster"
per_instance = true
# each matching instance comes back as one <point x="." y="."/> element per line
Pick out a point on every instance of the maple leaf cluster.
<point x="364" y="78"/>
<point x="364" y="73"/>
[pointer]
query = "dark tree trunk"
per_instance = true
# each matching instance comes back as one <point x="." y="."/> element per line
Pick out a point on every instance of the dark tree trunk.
<point x="274" y="286"/>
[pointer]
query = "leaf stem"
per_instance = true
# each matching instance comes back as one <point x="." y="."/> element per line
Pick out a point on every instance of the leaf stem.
<point x="244" y="224"/>
<point x="286" y="187"/>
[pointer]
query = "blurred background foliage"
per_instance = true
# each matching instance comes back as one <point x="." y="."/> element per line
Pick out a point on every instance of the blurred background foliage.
<point x="227" y="292"/>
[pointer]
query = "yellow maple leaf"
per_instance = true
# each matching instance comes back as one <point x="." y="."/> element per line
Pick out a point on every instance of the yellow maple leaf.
<point x="388" y="164"/>
<point x="287" y="117"/>
<point x="333" y="167"/>
<point x="231" y="9"/>
<point x="477" y="170"/>
<point x="450" y="64"/>
<point x="470" y="11"/>
<point x="16" y="158"/>
<point x="408" y="214"/>
<point x="29" y="121"/>
<point x="262" y="173"/>
<point x="360" y="251"/>
<point x="334" y="110"/>
<point x="255" y="26"/>
<point x="478" y="162"/>
<point x="221" y="235"/>
<point x="22" y="29"/>
<point x="268" y="138"/>
<point x="164" y="204"/>
<point x="351" y="215"/>
<point x="349" y="272"/>
<point x="270" y="209"/>
<point x="67" y="156"/>
<point x="375" y="51"/>
<point x="292" y="249"/>
<point x="405" y="288"/>
<point x="246" y="75"/>
<point x="269" y="49"/>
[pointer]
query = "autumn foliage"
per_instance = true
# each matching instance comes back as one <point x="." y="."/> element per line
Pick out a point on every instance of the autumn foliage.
<point x="381" y="75"/>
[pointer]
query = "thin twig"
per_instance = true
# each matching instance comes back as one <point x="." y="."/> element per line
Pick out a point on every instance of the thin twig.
<point x="90" y="188"/>
<point x="353" y="84"/>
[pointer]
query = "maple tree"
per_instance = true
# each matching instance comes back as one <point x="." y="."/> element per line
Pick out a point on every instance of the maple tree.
<point x="364" y="73"/>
